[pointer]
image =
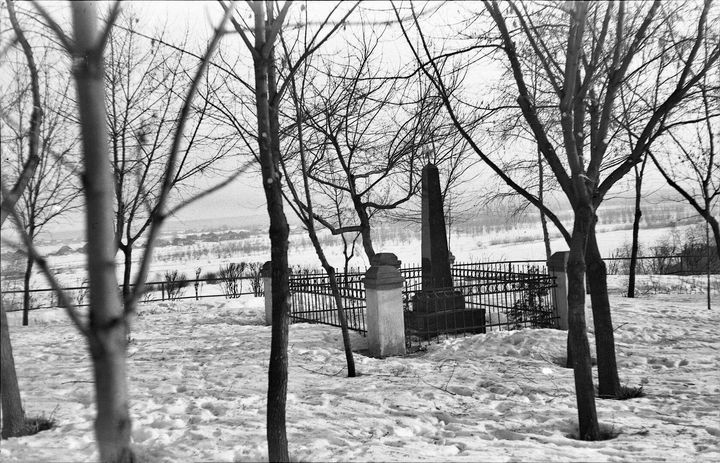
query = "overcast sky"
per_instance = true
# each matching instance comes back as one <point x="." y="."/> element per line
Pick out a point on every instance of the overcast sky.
<point x="245" y="197"/>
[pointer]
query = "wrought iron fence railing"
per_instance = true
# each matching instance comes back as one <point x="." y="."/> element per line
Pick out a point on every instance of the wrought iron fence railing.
<point x="484" y="297"/>
<point x="155" y="291"/>
<point x="312" y="299"/>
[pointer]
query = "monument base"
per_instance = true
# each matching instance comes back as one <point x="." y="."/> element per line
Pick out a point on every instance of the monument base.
<point x="439" y="312"/>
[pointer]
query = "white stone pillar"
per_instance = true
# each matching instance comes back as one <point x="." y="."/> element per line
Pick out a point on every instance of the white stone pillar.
<point x="384" y="317"/>
<point x="557" y="266"/>
<point x="266" y="273"/>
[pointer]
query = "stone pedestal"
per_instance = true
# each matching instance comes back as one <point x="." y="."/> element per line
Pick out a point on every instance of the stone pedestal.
<point x="557" y="267"/>
<point x="266" y="273"/>
<point x="436" y="312"/>
<point x="384" y="317"/>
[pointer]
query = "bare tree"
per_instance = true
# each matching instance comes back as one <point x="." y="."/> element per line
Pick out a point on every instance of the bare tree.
<point x="594" y="52"/>
<point x="635" y="246"/>
<point x="690" y="164"/>
<point x="11" y="401"/>
<point x="143" y="103"/>
<point x="9" y="200"/>
<point x="369" y="132"/>
<point x="52" y="190"/>
<point x="107" y="328"/>
<point x="307" y="217"/>
<point x="689" y="161"/>
<point x="268" y="92"/>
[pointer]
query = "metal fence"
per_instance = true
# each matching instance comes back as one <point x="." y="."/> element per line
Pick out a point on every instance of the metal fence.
<point x="499" y="295"/>
<point x="197" y="288"/>
<point x="665" y="265"/>
<point x="313" y="300"/>
<point x="485" y="297"/>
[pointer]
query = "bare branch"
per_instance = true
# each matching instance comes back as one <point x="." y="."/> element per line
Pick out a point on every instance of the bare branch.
<point x="28" y="170"/>
<point x="158" y="215"/>
<point x="63" y="299"/>
<point x="66" y="42"/>
<point x="114" y="13"/>
<point x="437" y="81"/>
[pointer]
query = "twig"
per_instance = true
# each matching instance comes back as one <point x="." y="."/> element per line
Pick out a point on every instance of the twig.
<point x="11" y="43"/>
<point x="322" y="372"/>
<point x="619" y="326"/>
<point x="438" y="387"/>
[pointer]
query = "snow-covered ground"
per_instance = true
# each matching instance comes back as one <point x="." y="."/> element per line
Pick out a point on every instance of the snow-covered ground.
<point x="198" y="374"/>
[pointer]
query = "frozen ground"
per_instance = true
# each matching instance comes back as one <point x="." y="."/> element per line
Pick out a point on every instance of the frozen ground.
<point x="198" y="385"/>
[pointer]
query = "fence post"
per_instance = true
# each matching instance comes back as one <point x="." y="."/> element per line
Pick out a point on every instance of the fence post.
<point x="557" y="267"/>
<point x="266" y="272"/>
<point x="197" y="283"/>
<point x="385" y="316"/>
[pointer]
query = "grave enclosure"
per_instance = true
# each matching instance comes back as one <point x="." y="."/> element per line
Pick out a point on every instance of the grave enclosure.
<point x="382" y="302"/>
<point x="401" y="309"/>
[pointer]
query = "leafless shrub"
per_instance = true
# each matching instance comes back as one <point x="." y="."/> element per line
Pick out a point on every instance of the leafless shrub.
<point x="230" y="279"/>
<point x="256" y="283"/>
<point x="175" y="284"/>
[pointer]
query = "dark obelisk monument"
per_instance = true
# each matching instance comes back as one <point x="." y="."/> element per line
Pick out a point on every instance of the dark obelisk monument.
<point x="435" y="254"/>
<point x="438" y="308"/>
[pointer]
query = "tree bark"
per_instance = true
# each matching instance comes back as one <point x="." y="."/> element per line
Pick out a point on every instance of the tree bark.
<point x="269" y="155"/>
<point x="338" y="304"/>
<point x="26" y="290"/>
<point x="609" y="382"/>
<point x="365" y="228"/>
<point x="636" y="229"/>
<point x="543" y="218"/>
<point x="127" y="270"/>
<point x="107" y="330"/>
<point x="580" y="348"/>
<point x="12" y="411"/>
<point x="634" y="249"/>
<point x="716" y="231"/>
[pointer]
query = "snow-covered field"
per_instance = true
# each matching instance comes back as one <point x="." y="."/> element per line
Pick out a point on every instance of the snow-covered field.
<point x="198" y="384"/>
<point x="515" y="244"/>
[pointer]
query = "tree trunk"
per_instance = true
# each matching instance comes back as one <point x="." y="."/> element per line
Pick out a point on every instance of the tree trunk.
<point x="107" y="329"/>
<point x="12" y="411"/>
<point x="580" y="348"/>
<point x="543" y="218"/>
<point x="269" y="144"/>
<point x="636" y="229"/>
<point x="278" y="370"/>
<point x="127" y="270"/>
<point x="338" y="302"/>
<point x="609" y="382"/>
<point x="26" y="290"/>
<point x="716" y="231"/>
<point x="634" y="249"/>
<point x="309" y="221"/>
<point x="367" y="243"/>
<point x="365" y="229"/>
